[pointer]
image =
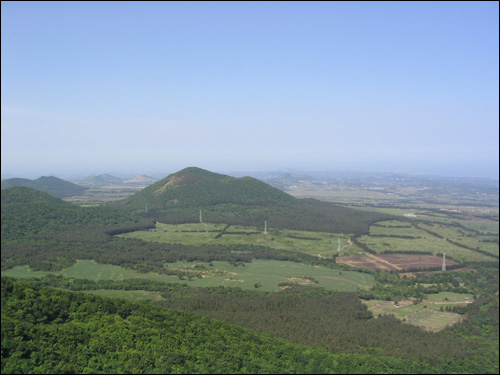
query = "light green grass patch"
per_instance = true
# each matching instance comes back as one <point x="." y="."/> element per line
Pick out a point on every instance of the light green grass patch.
<point x="270" y="273"/>
<point x="424" y="315"/>
<point x="266" y="273"/>
<point x="450" y="297"/>
<point x="88" y="269"/>
<point x="320" y="244"/>
<point x="424" y="241"/>
<point x="433" y="320"/>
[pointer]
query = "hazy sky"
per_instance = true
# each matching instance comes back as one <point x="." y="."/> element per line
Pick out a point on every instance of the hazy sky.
<point x="158" y="86"/>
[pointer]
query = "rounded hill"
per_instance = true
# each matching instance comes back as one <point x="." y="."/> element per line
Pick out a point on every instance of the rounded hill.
<point x="51" y="185"/>
<point x="179" y="198"/>
<point x="198" y="187"/>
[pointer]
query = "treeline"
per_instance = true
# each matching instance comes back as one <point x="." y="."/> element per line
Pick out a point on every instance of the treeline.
<point x="392" y="226"/>
<point x="304" y="238"/>
<point x="133" y="227"/>
<point x="304" y="214"/>
<point x="57" y="250"/>
<point x="391" y="287"/>
<point x="362" y="245"/>
<point x="394" y="236"/>
<point x="50" y="331"/>
<point x="472" y="249"/>
<point x="429" y="231"/>
<point x="220" y="234"/>
<point x="74" y="284"/>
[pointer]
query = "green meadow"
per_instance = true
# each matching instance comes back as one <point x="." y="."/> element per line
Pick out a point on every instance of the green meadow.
<point x="265" y="275"/>
<point x="427" y="314"/>
<point x="314" y="243"/>
<point x="448" y="298"/>
<point x="430" y="237"/>
<point x="387" y="236"/>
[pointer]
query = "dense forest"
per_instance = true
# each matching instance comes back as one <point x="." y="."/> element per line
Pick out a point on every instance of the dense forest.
<point x="339" y="322"/>
<point x="50" y="331"/>
<point x="27" y="213"/>
<point x="45" y="330"/>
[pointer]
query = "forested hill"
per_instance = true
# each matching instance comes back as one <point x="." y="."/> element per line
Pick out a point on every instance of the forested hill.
<point x="51" y="185"/>
<point x="197" y="187"/>
<point x="27" y="212"/>
<point x="179" y="197"/>
<point x="51" y="331"/>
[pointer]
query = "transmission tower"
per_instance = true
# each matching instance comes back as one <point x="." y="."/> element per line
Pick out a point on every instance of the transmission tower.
<point x="200" y="217"/>
<point x="265" y="226"/>
<point x="444" y="264"/>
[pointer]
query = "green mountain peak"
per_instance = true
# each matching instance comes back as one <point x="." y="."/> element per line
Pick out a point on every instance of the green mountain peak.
<point x="198" y="187"/>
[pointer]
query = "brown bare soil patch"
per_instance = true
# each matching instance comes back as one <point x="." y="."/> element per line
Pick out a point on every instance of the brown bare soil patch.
<point x="393" y="262"/>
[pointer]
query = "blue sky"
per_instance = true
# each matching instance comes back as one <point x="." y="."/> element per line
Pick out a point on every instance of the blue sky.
<point x="94" y="87"/>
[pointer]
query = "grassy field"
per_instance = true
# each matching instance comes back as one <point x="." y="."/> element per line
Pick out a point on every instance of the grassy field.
<point x="393" y="193"/>
<point x="313" y="243"/>
<point x="448" y="298"/>
<point x="430" y="237"/>
<point x="388" y="236"/>
<point x="265" y="274"/>
<point x="426" y="314"/>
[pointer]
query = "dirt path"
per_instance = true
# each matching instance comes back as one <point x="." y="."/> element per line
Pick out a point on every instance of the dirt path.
<point x="380" y="260"/>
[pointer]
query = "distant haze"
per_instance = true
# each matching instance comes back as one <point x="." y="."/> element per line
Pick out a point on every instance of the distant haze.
<point x="152" y="87"/>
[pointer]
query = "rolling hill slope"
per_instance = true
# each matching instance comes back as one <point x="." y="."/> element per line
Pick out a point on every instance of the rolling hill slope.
<point x="100" y="180"/>
<point x="51" y="185"/>
<point x="52" y="331"/>
<point x="197" y="187"/>
<point x="27" y="212"/>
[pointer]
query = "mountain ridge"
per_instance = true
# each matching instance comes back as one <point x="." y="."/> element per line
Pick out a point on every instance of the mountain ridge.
<point x="100" y="180"/>
<point x="51" y="185"/>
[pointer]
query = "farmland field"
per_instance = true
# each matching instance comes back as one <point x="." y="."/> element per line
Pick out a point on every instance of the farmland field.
<point x="426" y="314"/>
<point x="96" y="196"/>
<point x="457" y="242"/>
<point x="393" y="262"/>
<point x="314" y="243"/>
<point x="262" y="275"/>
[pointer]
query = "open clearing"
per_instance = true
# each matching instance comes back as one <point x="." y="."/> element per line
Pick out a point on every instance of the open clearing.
<point x="267" y="274"/>
<point x="426" y="314"/>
